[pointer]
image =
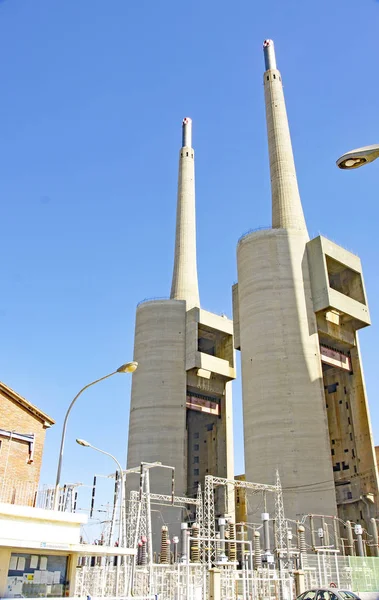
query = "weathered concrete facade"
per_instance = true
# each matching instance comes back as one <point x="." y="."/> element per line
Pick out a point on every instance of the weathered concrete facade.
<point x="297" y="306"/>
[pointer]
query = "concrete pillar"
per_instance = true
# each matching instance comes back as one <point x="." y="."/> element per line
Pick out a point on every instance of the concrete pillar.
<point x="184" y="534"/>
<point x="299" y="582"/>
<point x="358" y="532"/>
<point x="214" y="584"/>
<point x="350" y="539"/>
<point x="374" y="533"/>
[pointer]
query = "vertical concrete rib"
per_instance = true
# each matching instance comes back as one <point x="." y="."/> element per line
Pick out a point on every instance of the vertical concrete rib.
<point x="287" y="212"/>
<point x="184" y="281"/>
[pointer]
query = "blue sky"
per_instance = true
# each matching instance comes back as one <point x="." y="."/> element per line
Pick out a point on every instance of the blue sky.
<point x="92" y="97"/>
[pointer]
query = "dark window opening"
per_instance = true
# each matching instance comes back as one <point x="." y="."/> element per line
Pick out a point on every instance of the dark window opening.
<point x="333" y="442"/>
<point x="196" y="471"/>
<point x="195" y="459"/>
<point x="353" y="453"/>
<point x="347" y="405"/>
<point x="333" y="452"/>
<point x="355" y="469"/>
<point x="351" y="436"/>
<point x="348" y="420"/>
<point x="196" y="435"/>
<point x="210" y="427"/>
<point x="196" y="447"/>
<point x="268" y="77"/>
<point x="195" y="484"/>
<point x="344" y="280"/>
<point x="274" y="76"/>
<point x="349" y="495"/>
<point x="340" y="402"/>
<point x="332" y="388"/>
<point x="345" y="466"/>
<point x="346" y="450"/>
<point x="186" y="153"/>
<point x="337" y="467"/>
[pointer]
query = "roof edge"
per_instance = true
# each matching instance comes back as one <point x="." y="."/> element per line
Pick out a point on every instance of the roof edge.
<point x="48" y="421"/>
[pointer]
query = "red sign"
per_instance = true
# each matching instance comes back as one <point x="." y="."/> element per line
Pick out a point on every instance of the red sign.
<point x="203" y="405"/>
<point x="335" y="358"/>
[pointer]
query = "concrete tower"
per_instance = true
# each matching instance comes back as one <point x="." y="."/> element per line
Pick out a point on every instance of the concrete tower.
<point x="181" y="405"/>
<point x="297" y="306"/>
<point x="285" y="422"/>
<point x="184" y="280"/>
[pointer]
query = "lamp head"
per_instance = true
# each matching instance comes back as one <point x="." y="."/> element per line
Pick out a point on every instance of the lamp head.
<point x="129" y="367"/>
<point x="359" y="157"/>
<point x="83" y="443"/>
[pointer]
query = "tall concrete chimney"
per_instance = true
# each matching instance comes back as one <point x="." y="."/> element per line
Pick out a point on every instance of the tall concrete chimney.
<point x="285" y="419"/>
<point x="184" y="280"/>
<point x="287" y="212"/>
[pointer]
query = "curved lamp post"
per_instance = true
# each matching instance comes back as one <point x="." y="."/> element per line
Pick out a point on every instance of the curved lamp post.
<point x="121" y="534"/>
<point x="359" y="157"/>
<point x="129" y="367"/>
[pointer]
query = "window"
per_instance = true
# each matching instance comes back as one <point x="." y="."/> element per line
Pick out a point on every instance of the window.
<point x="346" y="450"/>
<point x="332" y="388"/>
<point x="309" y="595"/>
<point x="348" y="420"/>
<point x="196" y="471"/>
<point x="24" y="568"/>
<point x="325" y="595"/>
<point x="351" y="436"/>
<point x="333" y="442"/>
<point x="332" y="451"/>
<point x="195" y="484"/>
<point x="345" y="466"/>
<point x="196" y="447"/>
<point x="349" y="495"/>
<point x="355" y="469"/>
<point x="210" y="427"/>
<point x="195" y="459"/>
<point x="337" y="467"/>
<point x="347" y="405"/>
<point x="196" y="435"/>
<point x="348" y="595"/>
<point x="353" y="453"/>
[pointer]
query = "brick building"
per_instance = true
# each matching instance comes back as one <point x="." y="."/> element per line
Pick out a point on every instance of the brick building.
<point x="22" y="436"/>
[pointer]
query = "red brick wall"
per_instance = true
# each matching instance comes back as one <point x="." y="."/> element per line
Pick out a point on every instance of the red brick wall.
<point x="14" y="454"/>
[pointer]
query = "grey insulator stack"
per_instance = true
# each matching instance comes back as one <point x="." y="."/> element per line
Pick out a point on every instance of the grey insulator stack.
<point x="302" y="546"/>
<point x="374" y="533"/>
<point x="139" y="552"/>
<point x="195" y="546"/>
<point x="241" y="547"/>
<point x="232" y="546"/>
<point x="165" y="547"/>
<point x="144" y="550"/>
<point x="257" y="551"/>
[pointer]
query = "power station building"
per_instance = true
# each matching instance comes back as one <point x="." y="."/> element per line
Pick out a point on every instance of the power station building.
<point x="298" y="306"/>
<point x="181" y="402"/>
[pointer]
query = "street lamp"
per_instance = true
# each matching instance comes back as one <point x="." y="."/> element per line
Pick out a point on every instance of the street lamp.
<point x="129" y="367"/>
<point x="359" y="157"/>
<point x="86" y="444"/>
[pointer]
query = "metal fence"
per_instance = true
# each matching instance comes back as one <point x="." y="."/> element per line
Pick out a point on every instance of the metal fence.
<point x="14" y="491"/>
